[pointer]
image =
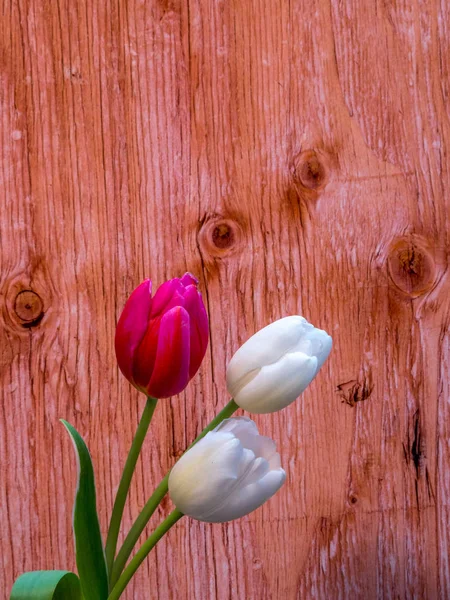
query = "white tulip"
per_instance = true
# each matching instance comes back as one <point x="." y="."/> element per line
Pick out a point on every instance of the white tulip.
<point x="276" y="364"/>
<point x="227" y="474"/>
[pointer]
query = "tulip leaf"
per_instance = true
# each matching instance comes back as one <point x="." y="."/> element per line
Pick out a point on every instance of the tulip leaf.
<point x="47" y="585"/>
<point x="89" y="549"/>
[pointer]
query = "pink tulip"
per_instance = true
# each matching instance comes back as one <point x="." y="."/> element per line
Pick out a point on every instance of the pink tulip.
<point x="161" y="341"/>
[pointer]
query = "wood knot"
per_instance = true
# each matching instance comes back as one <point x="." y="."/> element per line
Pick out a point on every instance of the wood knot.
<point x="257" y="564"/>
<point x="353" y="391"/>
<point x="411" y="266"/>
<point x="29" y="308"/>
<point x="222" y="236"/>
<point x="311" y="171"/>
<point x="219" y="237"/>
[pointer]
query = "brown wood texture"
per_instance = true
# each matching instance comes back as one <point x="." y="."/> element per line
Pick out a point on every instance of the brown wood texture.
<point x="295" y="157"/>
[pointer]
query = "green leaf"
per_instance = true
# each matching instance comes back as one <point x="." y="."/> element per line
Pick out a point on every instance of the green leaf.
<point x="89" y="549"/>
<point x="47" y="585"/>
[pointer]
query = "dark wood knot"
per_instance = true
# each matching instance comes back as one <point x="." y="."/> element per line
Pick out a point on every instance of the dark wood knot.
<point x="222" y="236"/>
<point x="311" y="171"/>
<point x="411" y="266"/>
<point x="355" y="391"/>
<point x="219" y="237"/>
<point x="29" y="308"/>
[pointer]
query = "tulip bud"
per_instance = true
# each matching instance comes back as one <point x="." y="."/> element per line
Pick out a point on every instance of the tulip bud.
<point x="229" y="473"/>
<point x="161" y="341"/>
<point x="276" y="364"/>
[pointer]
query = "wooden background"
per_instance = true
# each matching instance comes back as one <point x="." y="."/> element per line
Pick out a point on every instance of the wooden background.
<point x="294" y="155"/>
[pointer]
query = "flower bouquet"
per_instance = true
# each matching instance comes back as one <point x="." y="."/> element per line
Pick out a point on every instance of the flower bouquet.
<point x="228" y="471"/>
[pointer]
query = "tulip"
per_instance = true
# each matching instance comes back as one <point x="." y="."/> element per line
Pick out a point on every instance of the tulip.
<point x="161" y="341"/>
<point x="229" y="473"/>
<point x="276" y="364"/>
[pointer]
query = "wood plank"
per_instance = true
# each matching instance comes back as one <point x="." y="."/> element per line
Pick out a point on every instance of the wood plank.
<point x="295" y="158"/>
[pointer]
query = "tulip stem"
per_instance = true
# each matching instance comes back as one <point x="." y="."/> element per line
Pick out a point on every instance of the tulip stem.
<point x="124" y="485"/>
<point x="142" y="553"/>
<point x="154" y="500"/>
<point x="136" y="530"/>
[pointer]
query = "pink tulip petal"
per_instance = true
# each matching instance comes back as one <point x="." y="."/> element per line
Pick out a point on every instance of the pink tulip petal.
<point x="199" y="327"/>
<point x="189" y="279"/>
<point x="145" y="355"/>
<point x="132" y="326"/>
<point x="171" y="370"/>
<point x="168" y="295"/>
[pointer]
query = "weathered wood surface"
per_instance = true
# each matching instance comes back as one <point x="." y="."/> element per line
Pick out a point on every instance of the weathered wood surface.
<point x="294" y="156"/>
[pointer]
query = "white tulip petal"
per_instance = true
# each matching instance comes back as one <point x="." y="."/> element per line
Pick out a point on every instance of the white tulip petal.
<point x="261" y="445"/>
<point x="267" y="355"/>
<point x="238" y="424"/>
<point x="210" y="444"/>
<point x="265" y="347"/>
<point x="223" y="457"/>
<point x="247" y="433"/>
<point x="275" y="462"/>
<point x="259" y="468"/>
<point x="279" y="384"/>
<point x="223" y="476"/>
<point x="245" y="467"/>
<point x="247" y="499"/>
<point x="316" y="343"/>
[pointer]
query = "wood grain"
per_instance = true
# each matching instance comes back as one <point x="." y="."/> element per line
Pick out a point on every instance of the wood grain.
<point x="295" y="157"/>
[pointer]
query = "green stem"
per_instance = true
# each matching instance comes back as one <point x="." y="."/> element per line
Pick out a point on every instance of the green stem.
<point x="137" y="528"/>
<point x="142" y="553"/>
<point x="124" y="486"/>
<point x="155" y="499"/>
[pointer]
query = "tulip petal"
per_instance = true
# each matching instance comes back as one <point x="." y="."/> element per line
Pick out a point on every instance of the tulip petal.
<point x="279" y="384"/>
<point x="316" y="343"/>
<point x="199" y="327"/>
<point x="167" y="296"/>
<point x="189" y="279"/>
<point x="220" y="479"/>
<point x="132" y="326"/>
<point x="275" y="461"/>
<point x="247" y="499"/>
<point x="247" y="433"/>
<point x="207" y="473"/>
<point x="171" y="369"/>
<point x="236" y="424"/>
<point x="265" y="347"/>
<point x="259" y="469"/>
<point x="145" y="355"/>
